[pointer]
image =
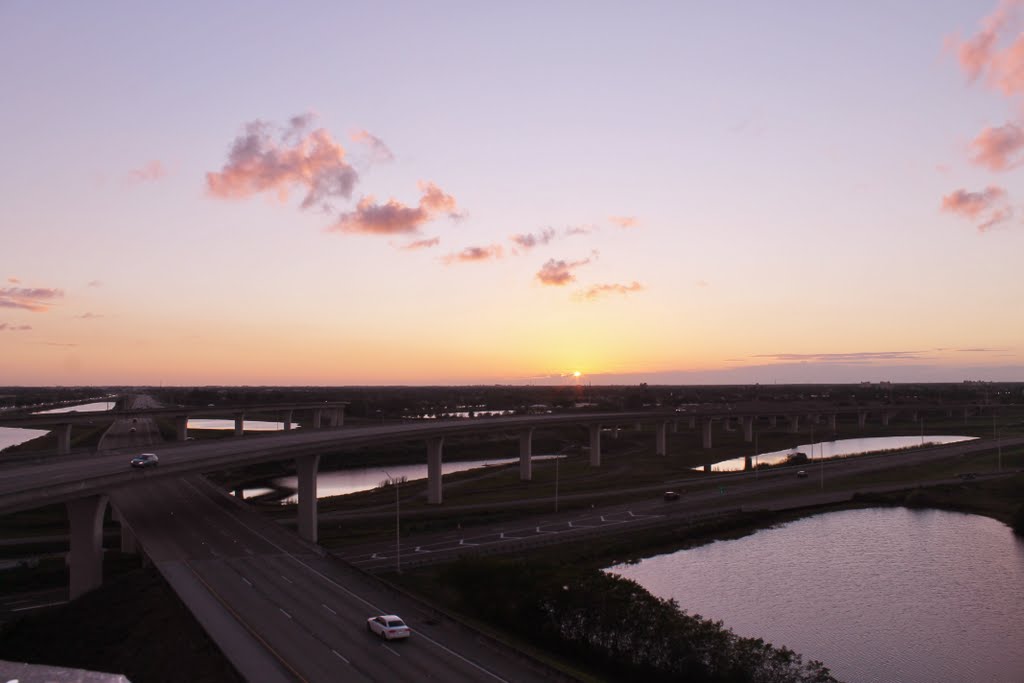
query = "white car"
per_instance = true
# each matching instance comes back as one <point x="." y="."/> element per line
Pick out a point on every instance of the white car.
<point x="388" y="626"/>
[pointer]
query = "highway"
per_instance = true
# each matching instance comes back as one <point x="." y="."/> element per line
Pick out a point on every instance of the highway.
<point x="283" y="611"/>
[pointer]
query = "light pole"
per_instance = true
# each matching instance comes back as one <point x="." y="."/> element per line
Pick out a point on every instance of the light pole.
<point x="557" y="458"/>
<point x="756" y="473"/>
<point x="398" y="533"/>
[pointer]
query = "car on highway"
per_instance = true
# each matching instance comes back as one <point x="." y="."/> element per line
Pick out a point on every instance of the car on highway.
<point x="145" y="460"/>
<point x="802" y="474"/>
<point x="671" y="495"/>
<point x="388" y="627"/>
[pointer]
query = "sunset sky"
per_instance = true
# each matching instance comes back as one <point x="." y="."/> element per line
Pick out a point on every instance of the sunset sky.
<point x="483" y="192"/>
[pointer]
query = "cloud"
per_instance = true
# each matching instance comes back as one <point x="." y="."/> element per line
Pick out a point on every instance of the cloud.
<point x="854" y="357"/>
<point x="596" y="291"/>
<point x="14" y="280"/>
<point x="276" y="159"/>
<point x="36" y="299"/>
<point x="531" y="240"/>
<point x="89" y="316"/>
<point x="557" y="273"/>
<point x="14" y="328"/>
<point x="474" y="254"/>
<point x="989" y="206"/>
<point x="995" y="147"/>
<point x="94" y="283"/>
<point x="421" y="244"/>
<point x="624" y="221"/>
<point x="59" y="344"/>
<point x="395" y="218"/>
<point x="153" y="170"/>
<point x="580" y="230"/>
<point x="378" y="150"/>
<point x="982" y="56"/>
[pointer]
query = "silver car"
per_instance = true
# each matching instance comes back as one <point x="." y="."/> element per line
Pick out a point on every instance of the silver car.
<point x="145" y="460"/>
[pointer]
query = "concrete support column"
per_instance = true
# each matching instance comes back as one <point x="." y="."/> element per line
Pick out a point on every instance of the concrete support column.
<point x="240" y="493"/>
<point x="693" y="422"/>
<point x="526" y="454"/>
<point x="707" y="468"/>
<point x="334" y="418"/>
<point x="862" y="418"/>
<point x="913" y="416"/>
<point x="727" y="423"/>
<point x="885" y="418"/>
<point x="615" y="432"/>
<point x="705" y="432"/>
<point x="773" y="421"/>
<point x="239" y="424"/>
<point x="129" y="544"/>
<point x="306" y="469"/>
<point x="595" y="445"/>
<point x="660" y="438"/>
<point x="181" y="427"/>
<point x="794" y="424"/>
<point x="748" y="463"/>
<point x="63" y="433"/>
<point x="86" y="557"/>
<point x="832" y="421"/>
<point x="341" y="416"/>
<point x="675" y="426"/>
<point x="434" y="495"/>
<point x="748" y="429"/>
<point x="318" y="415"/>
<point x="286" y="419"/>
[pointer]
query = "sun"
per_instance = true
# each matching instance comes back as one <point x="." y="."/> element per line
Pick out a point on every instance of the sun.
<point x="577" y="374"/>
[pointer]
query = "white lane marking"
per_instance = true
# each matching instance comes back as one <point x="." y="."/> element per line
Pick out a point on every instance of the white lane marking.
<point x="332" y="612"/>
<point x="338" y="655"/>
<point x="287" y="579"/>
<point x="462" y="541"/>
<point x="284" y="613"/>
<point x="374" y="608"/>
<point x="388" y="648"/>
<point x="49" y="604"/>
<point x="247" y="582"/>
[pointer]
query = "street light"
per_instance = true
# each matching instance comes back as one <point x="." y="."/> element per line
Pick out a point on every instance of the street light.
<point x="398" y="535"/>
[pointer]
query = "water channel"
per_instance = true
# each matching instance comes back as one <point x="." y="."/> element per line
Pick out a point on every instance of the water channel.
<point x="878" y="595"/>
<point x="840" y="448"/>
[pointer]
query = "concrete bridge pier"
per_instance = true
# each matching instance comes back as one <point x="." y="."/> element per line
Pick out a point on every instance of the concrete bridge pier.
<point x="794" y="424"/>
<point x="129" y="544"/>
<point x="862" y="418"/>
<point x="885" y="418"/>
<point x="748" y="429"/>
<point x="748" y="463"/>
<point x="773" y="421"/>
<point x="727" y="423"/>
<point x="434" y="495"/>
<point x="595" y="445"/>
<point x="705" y="432"/>
<point x="832" y="421"/>
<point x="693" y="422"/>
<point x="913" y="416"/>
<point x="661" y="438"/>
<point x="337" y="418"/>
<point x="675" y="426"/>
<point x="318" y="415"/>
<point x="526" y="454"/>
<point x="239" y="424"/>
<point x="181" y="427"/>
<point x="707" y="468"/>
<point x="86" y="556"/>
<point x="240" y="493"/>
<point x="286" y="420"/>
<point x="306" y="469"/>
<point x="63" y="433"/>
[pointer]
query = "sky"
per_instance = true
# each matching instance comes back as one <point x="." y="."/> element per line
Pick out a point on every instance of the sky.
<point x="366" y="193"/>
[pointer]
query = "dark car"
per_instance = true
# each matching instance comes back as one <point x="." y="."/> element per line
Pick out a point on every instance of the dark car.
<point x="671" y="495"/>
<point x="145" y="460"/>
<point x="802" y="474"/>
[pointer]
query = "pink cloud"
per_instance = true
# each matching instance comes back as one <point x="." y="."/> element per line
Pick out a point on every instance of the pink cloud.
<point x="596" y="291"/>
<point x="475" y="254"/>
<point x="989" y="206"/>
<point x="421" y="244"/>
<point x="89" y="316"/>
<point x="94" y="283"/>
<point x="14" y="328"/>
<point x="36" y="299"/>
<point x="980" y="54"/>
<point x="580" y="230"/>
<point x="995" y="147"/>
<point x="624" y="221"/>
<point x="311" y="161"/>
<point x="395" y="218"/>
<point x="14" y="280"/>
<point x="153" y="170"/>
<point x="557" y="273"/>
<point x="378" y="150"/>
<point x="531" y="240"/>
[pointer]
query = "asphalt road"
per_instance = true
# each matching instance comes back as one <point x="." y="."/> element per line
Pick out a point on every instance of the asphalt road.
<point x="281" y="610"/>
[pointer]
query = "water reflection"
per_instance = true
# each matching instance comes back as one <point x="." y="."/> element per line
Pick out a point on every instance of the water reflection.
<point x="83" y="408"/>
<point x="249" y="425"/>
<point x="877" y="595"/>
<point x="12" y="436"/>
<point x="842" y="447"/>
